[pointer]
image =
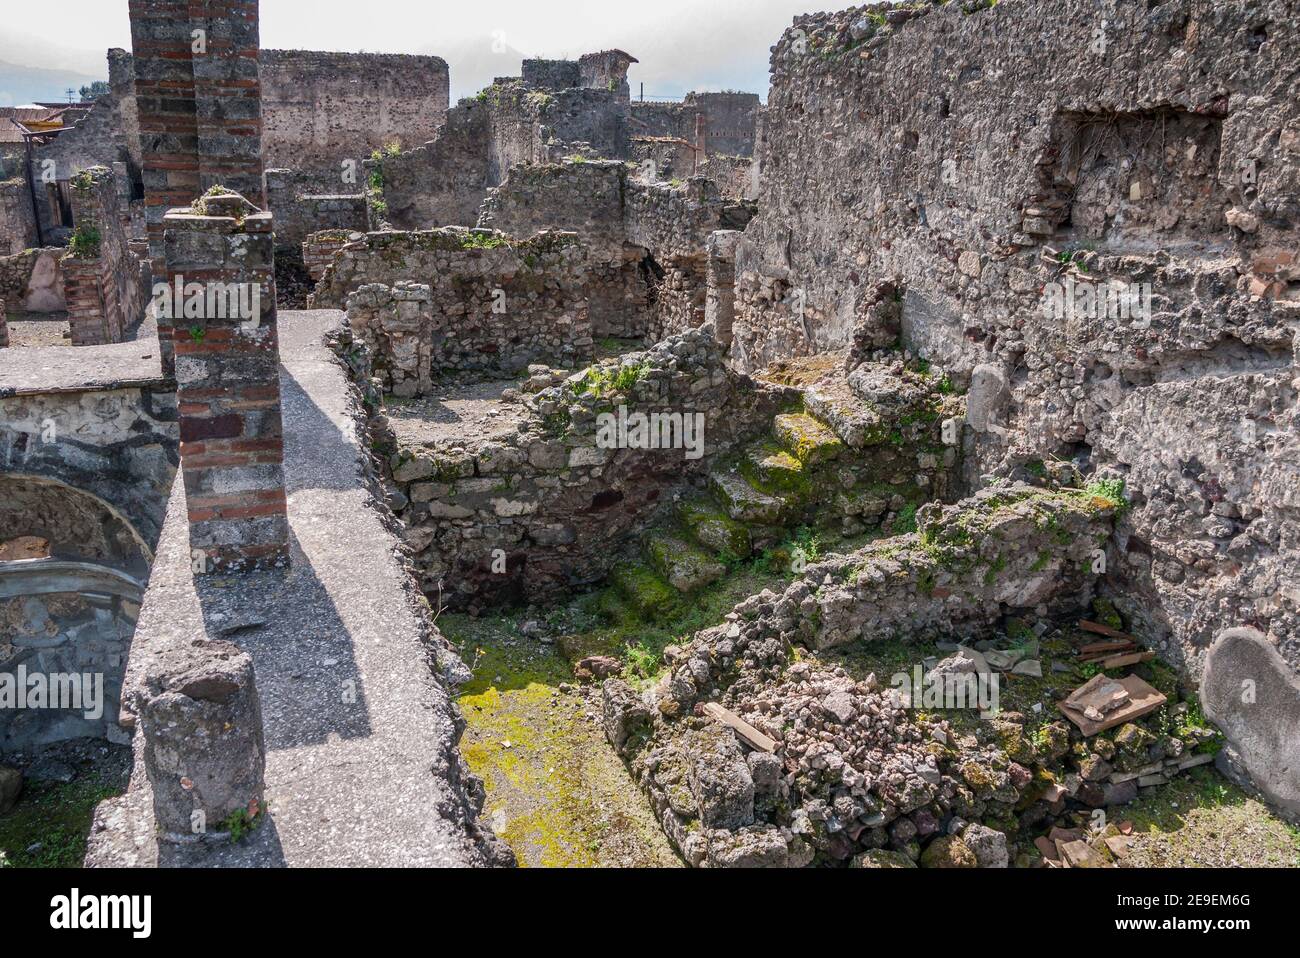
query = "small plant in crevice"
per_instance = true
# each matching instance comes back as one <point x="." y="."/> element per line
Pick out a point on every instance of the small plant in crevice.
<point x="905" y="521"/>
<point x="1111" y="489"/>
<point x="244" y="821"/>
<point x="85" y="242"/>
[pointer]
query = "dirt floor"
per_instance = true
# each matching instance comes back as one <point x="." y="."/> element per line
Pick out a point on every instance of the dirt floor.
<point x="38" y="329"/>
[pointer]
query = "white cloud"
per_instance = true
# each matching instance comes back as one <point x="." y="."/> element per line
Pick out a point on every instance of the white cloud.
<point x="682" y="44"/>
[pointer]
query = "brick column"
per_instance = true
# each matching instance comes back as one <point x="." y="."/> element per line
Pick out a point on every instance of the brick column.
<point x="101" y="277"/>
<point x="200" y="109"/>
<point x="227" y="382"/>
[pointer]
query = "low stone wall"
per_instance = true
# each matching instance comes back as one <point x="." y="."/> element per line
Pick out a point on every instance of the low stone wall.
<point x="618" y="214"/>
<point x="32" y="280"/>
<point x="318" y="249"/>
<point x="547" y="509"/>
<point x="462" y="301"/>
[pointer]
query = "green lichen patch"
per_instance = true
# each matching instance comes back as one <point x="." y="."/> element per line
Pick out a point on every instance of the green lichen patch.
<point x="1200" y="819"/>
<point x="645" y="591"/>
<point x="769" y="466"/>
<point x="686" y="568"/>
<point x="744" y="501"/>
<point x="714" y="529"/>
<point x="810" y="440"/>
<point x="49" y="826"/>
<point x="556" y="793"/>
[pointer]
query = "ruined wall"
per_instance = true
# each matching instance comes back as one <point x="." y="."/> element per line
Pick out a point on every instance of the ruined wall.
<point x="322" y="108"/>
<point x="33" y="280"/>
<point x="557" y="505"/>
<point x="304" y="203"/>
<point x="118" y="445"/>
<point x="1144" y="143"/>
<point x="492" y="307"/>
<point x="17" y="221"/>
<point x="511" y="122"/>
<point x="102" y="280"/>
<point x="725" y="122"/>
<point x="4" y="326"/>
<point x="617" y="214"/>
<point x="318" y="250"/>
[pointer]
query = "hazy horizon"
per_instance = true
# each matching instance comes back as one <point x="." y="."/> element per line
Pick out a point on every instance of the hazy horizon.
<point x="682" y="45"/>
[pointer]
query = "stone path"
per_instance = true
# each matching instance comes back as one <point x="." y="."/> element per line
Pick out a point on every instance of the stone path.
<point x="360" y="733"/>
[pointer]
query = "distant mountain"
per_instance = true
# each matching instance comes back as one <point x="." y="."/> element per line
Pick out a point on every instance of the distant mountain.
<point x="22" y="84"/>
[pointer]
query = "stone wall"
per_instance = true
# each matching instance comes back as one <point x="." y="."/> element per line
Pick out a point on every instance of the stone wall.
<point x="556" y="505"/>
<point x="97" y="140"/>
<point x="320" y="109"/>
<point x="617" y="215"/>
<point x="116" y="445"/>
<point x="4" y="326"/>
<point x="17" y="221"/>
<point x="475" y="302"/>
<point x="304" y="203"/>
<point x="725" y="123"/>
<point x="1149" y="144"/>
<point x="102" y="279"/>
<point x="444" y="182"/>
<point x="318" y="250"/>
<point x="32" y="280"/>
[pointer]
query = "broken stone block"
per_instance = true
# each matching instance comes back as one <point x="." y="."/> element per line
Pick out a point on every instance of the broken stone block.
<point x="625" y="717"/>
<point x="988" y="844"/>
<point x="882" y="858"/>
<point x="1079" y="854"/>
<point x="948" y="852"/>
<point x="748" y="848"/>
<point x="1253" y="696"/>
<point x="719" y="779"/>
<point x="203" y="744"/>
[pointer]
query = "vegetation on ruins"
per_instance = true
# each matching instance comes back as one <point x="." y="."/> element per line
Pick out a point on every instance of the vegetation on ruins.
<point x="85" y="242"/>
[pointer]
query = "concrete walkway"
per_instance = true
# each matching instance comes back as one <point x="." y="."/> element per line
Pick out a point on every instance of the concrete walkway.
<point x="362" y="768"/>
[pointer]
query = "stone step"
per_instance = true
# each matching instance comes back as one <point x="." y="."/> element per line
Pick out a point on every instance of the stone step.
<point x="645" y="591"/>
<point x="686" y="568"/>
<point x="856" y="423"/>
<point x="770" y="466"/>
<point x="710" y="526"/>
<point x="809" y="439"/>
<point x="744" y="501"/>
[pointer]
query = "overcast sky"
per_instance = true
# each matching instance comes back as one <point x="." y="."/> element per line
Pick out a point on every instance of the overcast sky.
<point x="682" y="44"/>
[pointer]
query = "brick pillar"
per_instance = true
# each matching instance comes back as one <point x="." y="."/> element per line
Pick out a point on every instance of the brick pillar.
<point x="4" y="329"/>
<point x="200" y="110"/>
<point x="227" y="382"/>
<point x="101" y="277"/>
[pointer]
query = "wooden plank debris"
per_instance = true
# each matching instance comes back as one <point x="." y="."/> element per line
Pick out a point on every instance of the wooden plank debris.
<point x="1098" y="629"/>
<point x="1133" y="658"/>
<point x="1110" y="645"/>
<point x="751" y="736"/>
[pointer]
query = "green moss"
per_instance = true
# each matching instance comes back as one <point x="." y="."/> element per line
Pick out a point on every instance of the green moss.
<point x="53" y="821"/>
<point x="649" y="595"/>
<point x="714" y="529"/>
<point x="770" y="467"/>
